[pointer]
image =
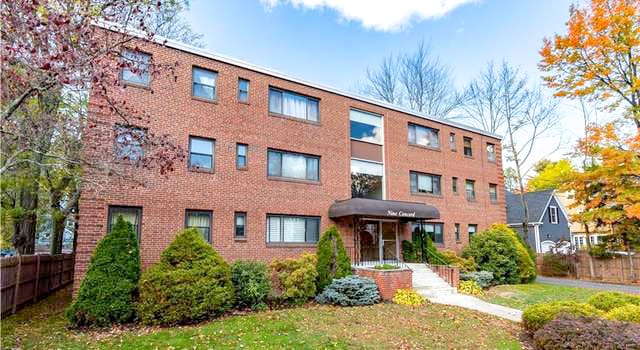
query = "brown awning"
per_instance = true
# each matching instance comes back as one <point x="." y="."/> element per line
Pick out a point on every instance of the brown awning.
<point x="383" y="209"/>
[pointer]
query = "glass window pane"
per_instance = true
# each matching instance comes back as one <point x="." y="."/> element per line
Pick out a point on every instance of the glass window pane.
<point x="313" y="230"/>
<point x="275" y="163"/>
<point x="204" y="77"/>
<point x="200" y="161"/>
<point x="204" y="91"/>
<point x="362" y="167"/>
<point x="412" y="134"/>
<point x="413" y="179"/>
<point x="243" y="96"/>
<point x="243" y="85"/>
<point x="294" y="229"/>
<point x="273" y="228"/>
<point x="137" y="71"/>
<point x="312" y="169"/>
<point x="242" y="150"/>
<point x="294" y="166"/>
<point x="294" y="105"/>
<point x="275" y="101"/>
<point x="365" y="126"/>
<point x="201" y="146"/>
<point x="312" y="110"/>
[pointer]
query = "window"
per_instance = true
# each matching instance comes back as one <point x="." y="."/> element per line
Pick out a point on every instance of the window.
<point x="132" y="215"/>
<point x="204" y="83"/>
<point x="424" y="183"/>
<point x="452" y="141"/>
<point x="433" y="230"/>
<point x="454" y="185"/>
<point x="200" y="220"/>
<point x="293" y="105"/>
<point x="365" y="126"/>
<point x="457" y="231"/>
<point x="423" y="136"/>
<point x="471" y="230"/>
<point x="201" y="153"/>
<point x="293" y="165"/>
<point x="468" y="151"/>
<point x="553" y="214"/>
<point x="240" y="219"/>
<point x="470" y="187"/>
<point x="243" y="90"/>
<point x="493" y="192"/>
<point x="292" y="229"/>
<point x="241" y="155"/>
<point x="129" y="143"/>
<point x="491" y="152"/>
<point x="136" y="67"/>
<point x="366" y="179"/>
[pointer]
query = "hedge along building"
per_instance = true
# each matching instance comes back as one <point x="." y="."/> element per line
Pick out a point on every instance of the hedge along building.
<point x="273" y="160"/>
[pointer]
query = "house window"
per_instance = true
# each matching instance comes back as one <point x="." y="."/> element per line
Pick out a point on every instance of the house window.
<point x="424" y="183"/>
<point x="366" y="179"/>
<point x="423" y="136"/>
<point x="293" y="105"/>
<point x="491" y="152"/>
<point x="129" y="143"/>
<point x="204" y="83"/>
<point x="471" y="230"/>
<point x="454" y="185"/>
<point x="241" y="155"/>
<point x="452" y="141"/>
<point x="365" y="126"/>
<point x="132" y="215"/>
<point x="434" y="230"/>
<point x="470" y="187"/>
<point x="200" y="220"/>
<point x="293" y="165"/>
<point x="493" y="192"/>
<point x="136" y="67"/>
<point x="201" y="153"/>
<point x="292" y="229"/>
<point x="240" y="219"/>
<point x="553" y="214"/>
<point x="468" y="151"/>
<point x="457" y="231"/>
<point x="243" y="90"/>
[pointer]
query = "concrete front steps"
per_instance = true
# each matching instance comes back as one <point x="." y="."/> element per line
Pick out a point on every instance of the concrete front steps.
<point x="428" y="283"/>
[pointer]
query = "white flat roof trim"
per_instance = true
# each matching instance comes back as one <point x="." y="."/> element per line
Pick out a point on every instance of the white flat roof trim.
<point x="229" y="60"/>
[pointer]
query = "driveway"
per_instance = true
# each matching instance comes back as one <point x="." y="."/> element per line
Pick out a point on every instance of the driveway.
<point x="588" y="284"/>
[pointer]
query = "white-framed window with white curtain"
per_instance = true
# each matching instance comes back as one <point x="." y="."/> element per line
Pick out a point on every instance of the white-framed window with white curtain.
<point x="293" y="165"/>
<point x="424" y="136"/>
<point x="424" y="183"/>
<point x="200" y="220"/>
<point x="292" y="229"/>
<point x="294" y="105"/>
<point x="204" y="83"/>
<point x="365" y="126"/>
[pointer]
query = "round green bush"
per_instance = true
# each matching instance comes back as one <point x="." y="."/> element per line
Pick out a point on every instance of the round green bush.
<point x="626" y="313"/>
<point x="607" y="301"/>
<point x="190" y="283"/>
<point x="536" y="316"/>
<point x="294" y="280"/>
<point x="333" y="261"/>
<point x="568" y="332"/>
<point x="350" y="291"/>
<point x="499" y="251"/>
<point x="251" y="284"/>
<point x="483" y="278"/>
<point x="109" y="288"/>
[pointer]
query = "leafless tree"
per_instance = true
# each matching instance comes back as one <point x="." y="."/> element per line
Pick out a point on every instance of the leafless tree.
<point x="482" y="103"/>
<point x="382" y="82"/>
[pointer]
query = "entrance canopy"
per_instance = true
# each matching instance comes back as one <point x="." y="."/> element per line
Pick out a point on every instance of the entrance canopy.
<point x="376" y="208"/>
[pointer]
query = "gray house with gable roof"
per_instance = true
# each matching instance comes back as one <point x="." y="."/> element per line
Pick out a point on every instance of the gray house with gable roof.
<point x="548" y="220"/>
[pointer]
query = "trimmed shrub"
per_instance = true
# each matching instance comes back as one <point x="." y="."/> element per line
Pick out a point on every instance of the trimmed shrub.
<point x="294" y="280"/>
<point x="190" y="283"/>
<point x="386" y="267"/>
<point x="554" y="265"/>
<point x="499" y="251"/>
<point x="408" y="297"/>
<point x="350" y="291"/>
<point x="627" y="313"/>
<point x="431" y="252"/>
<point x="464" y="264"/>
<point x="470" y="288"/>
<point x="536" y="316"/>
<point x="251" y="284"/>
<point x="567" y="332"/>
<point x="409" y="253"/>
<point x="483" y="278"/>
<point x="607" y="301"/>
<point x="109" y="288"/>
<point x="333" y="261"/>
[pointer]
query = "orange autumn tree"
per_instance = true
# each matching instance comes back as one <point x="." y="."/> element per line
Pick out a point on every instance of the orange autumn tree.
<point x="599" y="56"/>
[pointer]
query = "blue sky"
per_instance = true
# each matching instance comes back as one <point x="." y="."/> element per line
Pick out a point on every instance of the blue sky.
<point x="320" y="45"/>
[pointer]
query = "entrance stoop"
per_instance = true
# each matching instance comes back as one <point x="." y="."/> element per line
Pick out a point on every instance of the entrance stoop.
<point x="428" y="283"/>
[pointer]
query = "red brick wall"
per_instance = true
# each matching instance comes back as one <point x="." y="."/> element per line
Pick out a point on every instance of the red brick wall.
<point x="174" y="112"/>
<point x="388" y="281"/>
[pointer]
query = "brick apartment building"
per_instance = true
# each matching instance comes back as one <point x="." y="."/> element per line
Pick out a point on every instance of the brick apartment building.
<point x="271" y="163"/>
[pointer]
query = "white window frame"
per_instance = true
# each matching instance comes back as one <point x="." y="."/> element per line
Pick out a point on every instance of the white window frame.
<point x="282" y="218"/>
<point x="553" y="214"/>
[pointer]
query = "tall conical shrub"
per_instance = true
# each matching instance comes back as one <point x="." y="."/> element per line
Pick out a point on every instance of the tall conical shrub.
<point x="333" y="261"/>
<point x="109" y="288"/>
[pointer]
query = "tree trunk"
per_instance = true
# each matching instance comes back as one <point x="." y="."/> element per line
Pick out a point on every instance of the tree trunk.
<point x="57" y="233"/>
<point x="592" y="272"/>
<point x="24" y="239"/>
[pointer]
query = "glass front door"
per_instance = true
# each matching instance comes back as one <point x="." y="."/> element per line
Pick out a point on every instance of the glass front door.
<point x="378" y="240"/>
<point x="389" y="241"/>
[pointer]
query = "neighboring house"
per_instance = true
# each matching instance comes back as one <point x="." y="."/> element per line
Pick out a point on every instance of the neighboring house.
<point x="274" y="160"/>
<point x="577" y="229"/>
<point x="548" y="220"/>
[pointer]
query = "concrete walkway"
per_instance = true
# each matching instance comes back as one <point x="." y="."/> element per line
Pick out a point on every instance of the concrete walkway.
<point x="434" y="288"/>
<point x="588" y="284"/>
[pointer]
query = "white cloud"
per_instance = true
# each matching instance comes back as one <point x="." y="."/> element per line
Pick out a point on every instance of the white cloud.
<point x="382" y="15"/>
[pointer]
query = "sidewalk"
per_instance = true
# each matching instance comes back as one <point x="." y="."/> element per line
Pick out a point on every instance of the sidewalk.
<point x="473" y="303"/>
<point x="589" y="284"/>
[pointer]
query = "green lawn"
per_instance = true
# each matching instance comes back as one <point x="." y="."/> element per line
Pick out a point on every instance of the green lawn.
<point x="381" y="326"/>
<point x="520" y="296"/>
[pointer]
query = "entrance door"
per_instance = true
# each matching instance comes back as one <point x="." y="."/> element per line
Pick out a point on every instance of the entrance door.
<point x="389" y="249"/>
<point x="369" y="235"/>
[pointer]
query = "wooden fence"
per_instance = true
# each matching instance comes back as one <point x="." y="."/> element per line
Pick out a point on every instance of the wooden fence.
<point x="27" y="278"/>
<point x="611" y="270"/>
